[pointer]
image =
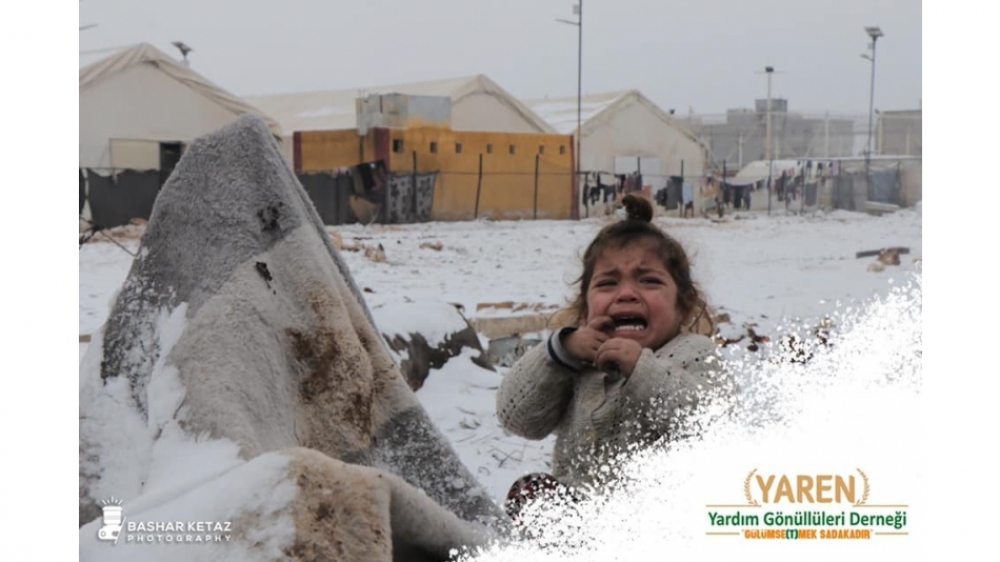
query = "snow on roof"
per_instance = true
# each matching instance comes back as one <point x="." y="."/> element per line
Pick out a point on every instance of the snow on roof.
<point x="99" y="64"/>
<point x="561" y="112"/>
<point x="595" y="108"/>
<point x="335" y="109"/>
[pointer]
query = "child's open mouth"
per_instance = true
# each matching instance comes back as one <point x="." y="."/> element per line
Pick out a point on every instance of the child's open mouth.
<point x="630" y="324"/>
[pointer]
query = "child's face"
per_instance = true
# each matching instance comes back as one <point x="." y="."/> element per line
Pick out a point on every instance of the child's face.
<point x="633" y="286"/>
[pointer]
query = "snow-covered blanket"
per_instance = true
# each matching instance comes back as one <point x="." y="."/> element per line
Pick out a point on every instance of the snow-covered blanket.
<point x="240" y="378"/>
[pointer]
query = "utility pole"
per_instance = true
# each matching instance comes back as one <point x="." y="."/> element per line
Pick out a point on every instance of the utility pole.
<point x="874" y="33"/>
<point x="770" y="157"/>
<point x="578" y="11"/>
<point x="579" y="86"/>
<point x="826" y="135"/>
<point x="741" y="150"/>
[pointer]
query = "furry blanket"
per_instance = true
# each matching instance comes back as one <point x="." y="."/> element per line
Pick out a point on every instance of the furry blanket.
<point x="240" y="337"/>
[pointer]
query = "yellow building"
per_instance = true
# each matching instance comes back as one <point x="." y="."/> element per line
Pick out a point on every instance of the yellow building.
<point x="480" y="174"/>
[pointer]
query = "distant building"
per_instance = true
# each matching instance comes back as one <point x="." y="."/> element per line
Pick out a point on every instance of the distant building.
<point x="477" y="104"/>
<point x="742" y="137"/>
<point x="625" y="132"/>
<point x="139" y="109"/>
<point x="898" y="133"/>
<point x="140" y="106"/>
<point x="460" y="174"/>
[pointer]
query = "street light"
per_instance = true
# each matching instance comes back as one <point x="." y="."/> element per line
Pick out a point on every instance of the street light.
<point x="769" y="70"/>
<point x="873" y="32"/>
<point x="578" y="11"/>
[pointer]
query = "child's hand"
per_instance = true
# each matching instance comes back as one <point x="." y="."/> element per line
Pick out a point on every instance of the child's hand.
<point x="584" y="342"/>
<point x="618" y="353"/>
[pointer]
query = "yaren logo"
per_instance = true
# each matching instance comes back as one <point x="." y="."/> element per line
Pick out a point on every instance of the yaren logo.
<point x="808" y="497"/>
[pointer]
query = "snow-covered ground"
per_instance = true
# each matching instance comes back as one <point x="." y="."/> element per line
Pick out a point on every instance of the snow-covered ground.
<point x="759" y="269"/>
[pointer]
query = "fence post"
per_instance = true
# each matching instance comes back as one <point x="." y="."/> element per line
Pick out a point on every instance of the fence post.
<point x="414" y="210"/>
<point x="479" y="185"/>
<point x="899" y="195"/>
<point x="535" y="214"/>
<point x="682" y="188"/>
<point x="802" y="203"/>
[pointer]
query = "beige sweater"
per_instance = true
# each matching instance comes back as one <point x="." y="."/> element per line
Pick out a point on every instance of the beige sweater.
<point x="596" y="414"/>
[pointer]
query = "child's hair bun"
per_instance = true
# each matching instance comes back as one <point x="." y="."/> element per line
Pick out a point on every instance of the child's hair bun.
<point x="638" y="208"/>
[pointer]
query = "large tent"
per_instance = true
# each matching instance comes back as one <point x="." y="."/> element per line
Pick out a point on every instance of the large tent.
<point x="139" y="106"/>
<point x="624" y="132"/>
<point x="478" y="104"/>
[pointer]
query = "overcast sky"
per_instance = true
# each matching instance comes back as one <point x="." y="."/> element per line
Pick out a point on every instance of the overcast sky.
<point x="708" y="55"/>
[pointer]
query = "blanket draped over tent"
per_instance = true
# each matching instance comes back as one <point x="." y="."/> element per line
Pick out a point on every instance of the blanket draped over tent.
<point x="240" y="376"/>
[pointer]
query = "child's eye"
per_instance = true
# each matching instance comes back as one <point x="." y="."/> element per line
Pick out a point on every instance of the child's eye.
<point x="652" y="280"/>
<point x="605" y="283"/>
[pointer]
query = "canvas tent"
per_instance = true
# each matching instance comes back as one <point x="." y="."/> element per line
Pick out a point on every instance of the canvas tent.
<point x="625" y="132"/>
<point x="139" y="106"/>
<point x="478" y="104"/>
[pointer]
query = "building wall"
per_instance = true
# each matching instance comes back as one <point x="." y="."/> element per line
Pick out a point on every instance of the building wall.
<point x="635" y="130"/>
<point x="508" y="180"/>
<point x="912" y="183"/>
<point x="287" y="146"/>
<point x="141" y="104"/>
<point x="402" y="111"/>
<point x="134" y="154"/>
<point x="318" y="151"/>
<point x="794" y="137"/>
<point x="484" y="112"/>
<point x="899" y="133"/>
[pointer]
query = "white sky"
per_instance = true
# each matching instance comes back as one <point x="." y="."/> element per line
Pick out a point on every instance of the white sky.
<point x="706" y="55"/>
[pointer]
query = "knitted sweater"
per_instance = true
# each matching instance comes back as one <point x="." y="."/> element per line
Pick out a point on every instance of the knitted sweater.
<point x="596" y="414"/>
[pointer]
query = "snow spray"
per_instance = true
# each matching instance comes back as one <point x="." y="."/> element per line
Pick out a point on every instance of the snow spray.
<point x="818" y="458"/>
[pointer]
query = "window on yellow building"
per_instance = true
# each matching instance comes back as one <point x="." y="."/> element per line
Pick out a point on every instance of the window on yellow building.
<point x="541" y="149"/>
<point x="489" y="148"/>
<point x="562" y="149"/>
<point x="458" y="148"/>
<point x="434" y="147"/>
<point x="397" y="146"/>
<point x="512" y="149"/>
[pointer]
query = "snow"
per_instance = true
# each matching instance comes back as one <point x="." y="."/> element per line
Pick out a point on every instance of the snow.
<point x="778" y="272"/>
<point x="258" y="489"/>
<point x="840" y="414"/>
<point x="562" y="113"/>
<point x="432" y="319"/>
<point x="153" y="454"/>
<point x="460" y="399"/>
<point x="325" y="111"/>
<point x="163" y="473"/>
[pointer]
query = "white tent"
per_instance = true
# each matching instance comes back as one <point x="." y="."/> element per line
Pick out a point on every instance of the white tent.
<point x="624" y="132"/>
<point x="478" y="104"/>
<point x="134" y="98"/>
